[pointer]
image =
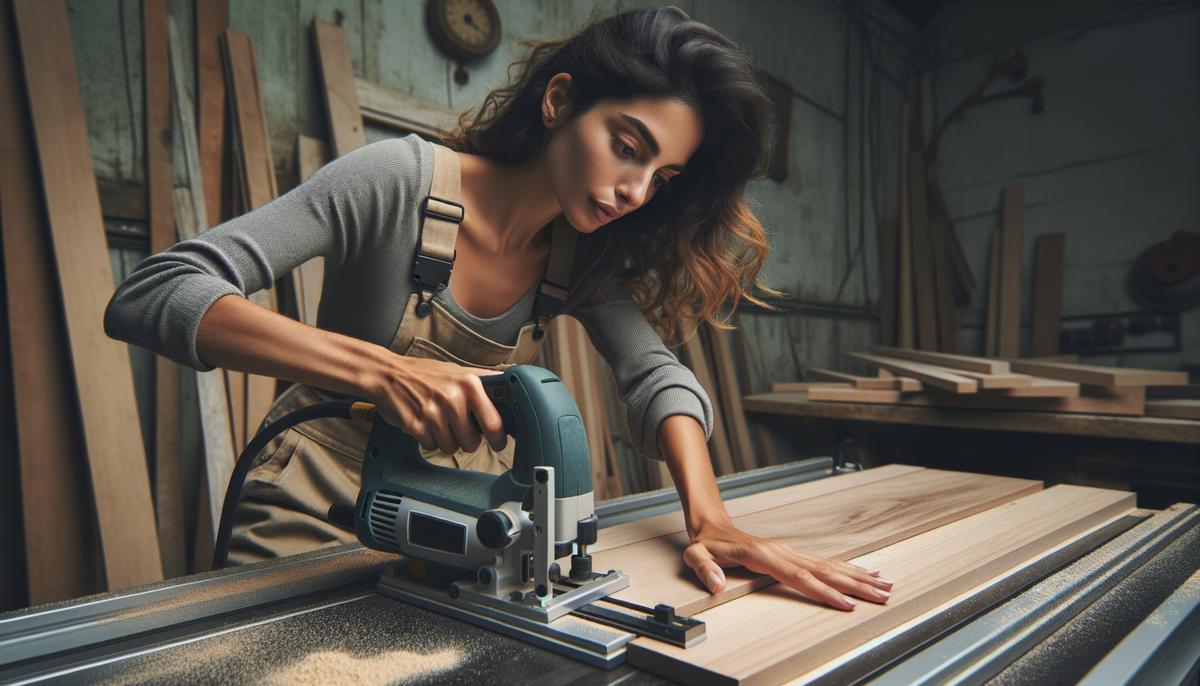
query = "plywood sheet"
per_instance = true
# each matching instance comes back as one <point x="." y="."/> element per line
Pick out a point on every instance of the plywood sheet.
<point x="774" y="635"/>
<point x="839" y="525"/>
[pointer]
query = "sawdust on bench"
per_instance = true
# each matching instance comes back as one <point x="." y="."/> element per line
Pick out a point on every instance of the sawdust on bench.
<point x="340" y="667"/>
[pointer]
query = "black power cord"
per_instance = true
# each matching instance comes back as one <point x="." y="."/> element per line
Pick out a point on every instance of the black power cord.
<point x="346" y="409"/>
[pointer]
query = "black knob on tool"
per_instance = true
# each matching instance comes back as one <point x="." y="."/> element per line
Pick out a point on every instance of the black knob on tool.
<point x="495" y="529"/>
<point x="581" y="567"/>
<point x="585" y="533"/>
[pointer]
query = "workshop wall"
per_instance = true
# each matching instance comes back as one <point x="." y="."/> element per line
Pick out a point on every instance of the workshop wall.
<point x="1111" y="161"/>
<point x="817" y="218"/>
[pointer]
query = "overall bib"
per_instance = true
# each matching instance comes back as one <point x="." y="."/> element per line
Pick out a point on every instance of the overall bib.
<point x="302" y="472"/>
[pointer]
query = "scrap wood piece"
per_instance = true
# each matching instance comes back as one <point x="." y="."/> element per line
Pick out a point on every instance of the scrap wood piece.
<point x="1097" y="375"/>
<point x="160" y="191"/>
<point x="864" y="382"/>
<point x="1048" y="254"/>
<point x="839" y="525"/>
<point x="341" y="95"/>
<point x="1180" y="408"/>
<point x="103" y="375"/>
<point x="926" y="373"/>
<point x="772" y="636"/>
<point x="964" y="362"/>
<point x="54" y="484"/>
<point x="1008" y="330"/>
<point x="729" y="394"/>
<point x="1127" y="401"/>
<point x="672" y="522"/>
<point x="854" y="395"/>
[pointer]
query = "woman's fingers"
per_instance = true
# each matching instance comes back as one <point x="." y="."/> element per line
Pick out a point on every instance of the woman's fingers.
<point x="706" y="568"/>
<point x="486" y="415"/>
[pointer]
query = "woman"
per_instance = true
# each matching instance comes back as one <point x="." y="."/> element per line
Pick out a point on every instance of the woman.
<point x="606" y="181"/>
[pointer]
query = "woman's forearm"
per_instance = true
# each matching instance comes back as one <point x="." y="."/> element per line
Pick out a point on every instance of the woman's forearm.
<point x="239" y="335"/>
<point x="681" y="439"/>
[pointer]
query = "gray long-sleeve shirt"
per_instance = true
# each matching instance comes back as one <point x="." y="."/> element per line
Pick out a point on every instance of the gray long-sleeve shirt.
<point x="361" y="212"/>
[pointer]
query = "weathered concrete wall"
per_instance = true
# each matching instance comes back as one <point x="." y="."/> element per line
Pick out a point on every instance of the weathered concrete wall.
<point x="1113" y="161"/>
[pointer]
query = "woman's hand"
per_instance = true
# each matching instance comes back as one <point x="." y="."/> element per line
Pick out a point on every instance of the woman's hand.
<point x="831" y="582"/>
<point x="433" y="401"/>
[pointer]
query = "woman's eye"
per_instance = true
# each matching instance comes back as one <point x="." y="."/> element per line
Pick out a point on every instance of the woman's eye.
<point x="625" y="150"/>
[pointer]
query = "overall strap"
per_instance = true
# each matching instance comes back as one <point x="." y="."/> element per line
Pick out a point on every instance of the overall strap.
<point x="552" y="291"/>
<point x="441" y="213"/>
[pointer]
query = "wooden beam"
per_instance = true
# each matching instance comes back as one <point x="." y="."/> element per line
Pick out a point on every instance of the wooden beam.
<point x="55" y="497"/>
<point x="1043" y="388"/>
<point x="992" y="312"/>
<point x="1048" y="253"/>
<point x="922" y="250"/>
<point x="773" y="636"/>
<point x="889" y="238"/>
<point x="968" y="363"/>
<point x="853" y="395"/>
<point x="1129" y="402"/>
<point x="863" y="382"/>
<point x="946" y="285"/>
<point x="212" y="18"/>
<point x="311" y="155"/>
<point x="1099" y="376"/>
<point x="904" y="289"/>
<point x="160" y="194"/>
<point x="1008" y="331"/>
<point x="103" y="376"/>
<point x="402" y="112"/>
<point x="838" y="525"/>
<point x="925" y="373"/>
<point x="998" y="381"/>
<point x="337" y="78"/>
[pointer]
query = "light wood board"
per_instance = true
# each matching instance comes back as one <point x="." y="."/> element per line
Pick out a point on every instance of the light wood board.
<point x="839" y="525"/>
<point x="54" y="484"/>
<point x="311" y="155"/>
<point x="774" y="635"/>
<point x="403" y="112"/>
<point x="1100" y="376"/>
<point x="692" y="354"/>
<point x="854" y="395"/>
<point x="968" y="363"/>
<point x="729" y="394"/>
<point x="873" y="383"/>
<point x="925" y="373"/>
<point x="341" y="96"/>
<point x="101" y="367"/>
<point x="212" y="18"/>
<point x="1129" y="401"/>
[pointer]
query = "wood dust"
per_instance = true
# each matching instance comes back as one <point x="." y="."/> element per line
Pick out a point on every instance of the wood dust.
<point x="340" y="667"/>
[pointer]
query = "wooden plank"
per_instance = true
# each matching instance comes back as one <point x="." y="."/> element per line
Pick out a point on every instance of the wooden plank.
<point x="922" y="250"/>
<point x="992" y="313"/>
<point x="160" y="192"/>
<point x="1151" y="429"/>
<point x="803" y="386"/>
<point x="854" y="395"/>
<point x="1100" y="376"/>
<point x="103" y="376"/>
<point x="403" y="112"/>
<point x="902" y="383"/>
<point x="1128" y="401"/>
<point x="946" y="285"/>
<point x="337" y="79"/>
<point x="1008" y="330"/>
<point x="212" y="18"/>
<point x="927" y="374"/>
<point x="311" y="155"/>
<point x="1048" y="254"/>
<point x="968" y="363"/>
<point x="770" y="637"/>
<point x="889" y="238"/>
<point x="1043" y="388"/>
<point x="730" y="396"/>
<point x="905" y="337"/>
<point x="692" y="354"/>
<point x="839" y="525"/>
<point x="998" y="381"/>
<point x="1176" y="409"/>
<point x="54" y="483"/>
<point x="864" y="382"/>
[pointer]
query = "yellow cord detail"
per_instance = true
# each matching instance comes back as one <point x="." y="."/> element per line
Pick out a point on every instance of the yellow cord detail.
<point x="364" y="412"/>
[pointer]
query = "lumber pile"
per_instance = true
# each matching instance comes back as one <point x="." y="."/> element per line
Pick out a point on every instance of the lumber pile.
<point x="932" y="379"/>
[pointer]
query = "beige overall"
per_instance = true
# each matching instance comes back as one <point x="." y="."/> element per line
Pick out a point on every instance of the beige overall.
<point x="306" y="469"/>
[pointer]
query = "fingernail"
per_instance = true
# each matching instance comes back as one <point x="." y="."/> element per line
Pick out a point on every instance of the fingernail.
<point x="883" y="580"/>
<point x="712" y="581"/>
<point x="885" y="594"/>
<point x="875" y="572"/>
<point x="850" y="600"/>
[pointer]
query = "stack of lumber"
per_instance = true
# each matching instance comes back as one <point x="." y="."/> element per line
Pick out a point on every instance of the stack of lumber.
<point x="917" y="377"/>
<point x="935" y="534"/>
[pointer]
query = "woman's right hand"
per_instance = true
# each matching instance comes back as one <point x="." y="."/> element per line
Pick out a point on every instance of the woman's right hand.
<point x="433" y="401"/>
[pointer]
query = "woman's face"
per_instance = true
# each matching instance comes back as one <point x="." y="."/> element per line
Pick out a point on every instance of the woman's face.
<point x="613" y="158"/>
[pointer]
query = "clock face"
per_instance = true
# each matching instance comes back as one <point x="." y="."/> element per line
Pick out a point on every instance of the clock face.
<point x="465" y="28"/>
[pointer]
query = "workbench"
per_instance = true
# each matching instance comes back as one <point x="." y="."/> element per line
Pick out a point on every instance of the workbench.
<point x="1136" y="574"/>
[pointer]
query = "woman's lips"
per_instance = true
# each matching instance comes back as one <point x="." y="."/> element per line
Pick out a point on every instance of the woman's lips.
<point x="602" y="214"/>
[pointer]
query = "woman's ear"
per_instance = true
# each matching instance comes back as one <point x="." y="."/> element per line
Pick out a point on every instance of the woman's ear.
<point x="556" y="103"/>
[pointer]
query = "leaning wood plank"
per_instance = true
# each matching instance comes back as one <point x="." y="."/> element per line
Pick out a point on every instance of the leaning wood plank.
<point x="160" y="192"/>
<point x="925" y="289"/>
<point x="992" y="316"/>
<point x="1129" y="401"/>
<point x="212" y="18"/>
<point x="103" y="377"/>
<point x="1008" y="331"/>
<point x="840" y="525"/>
<point x="1048" y="253"/>
<point x="863" y="382"/>
<point x="889" y="236"/>
<point x="312" y="154"/>
<point x="730" y="395"/>
<point x="337" y="78"/>
<point x="854" y="395"/>
<point x="1100" y="376"/>
<point x="925" y="373"/>
<point x="904" y="288"/>
<point x="692" y="354"/>
<point x="772" y="636"/>
<point x="947" y="287"/>
<point x="968" y="363"/>
<point x="672" y="522"/>
<point x="210" y="386"/>
<point x="54" y="495"/>
<point x="399" y="110"/>
<point x="1174" y="409"/>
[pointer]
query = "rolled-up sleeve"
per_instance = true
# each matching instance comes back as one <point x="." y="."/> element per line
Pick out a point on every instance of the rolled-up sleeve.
<point x="650" y="379"/>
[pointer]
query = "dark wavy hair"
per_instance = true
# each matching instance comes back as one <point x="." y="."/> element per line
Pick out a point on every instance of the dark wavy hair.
<point x="696" y="247"/>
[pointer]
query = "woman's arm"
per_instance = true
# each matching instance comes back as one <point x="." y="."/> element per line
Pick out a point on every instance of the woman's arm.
<point x="716" y="542"/>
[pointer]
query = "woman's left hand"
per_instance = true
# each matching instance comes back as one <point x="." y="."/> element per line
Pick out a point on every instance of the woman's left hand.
<point x="828" y="581"/>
